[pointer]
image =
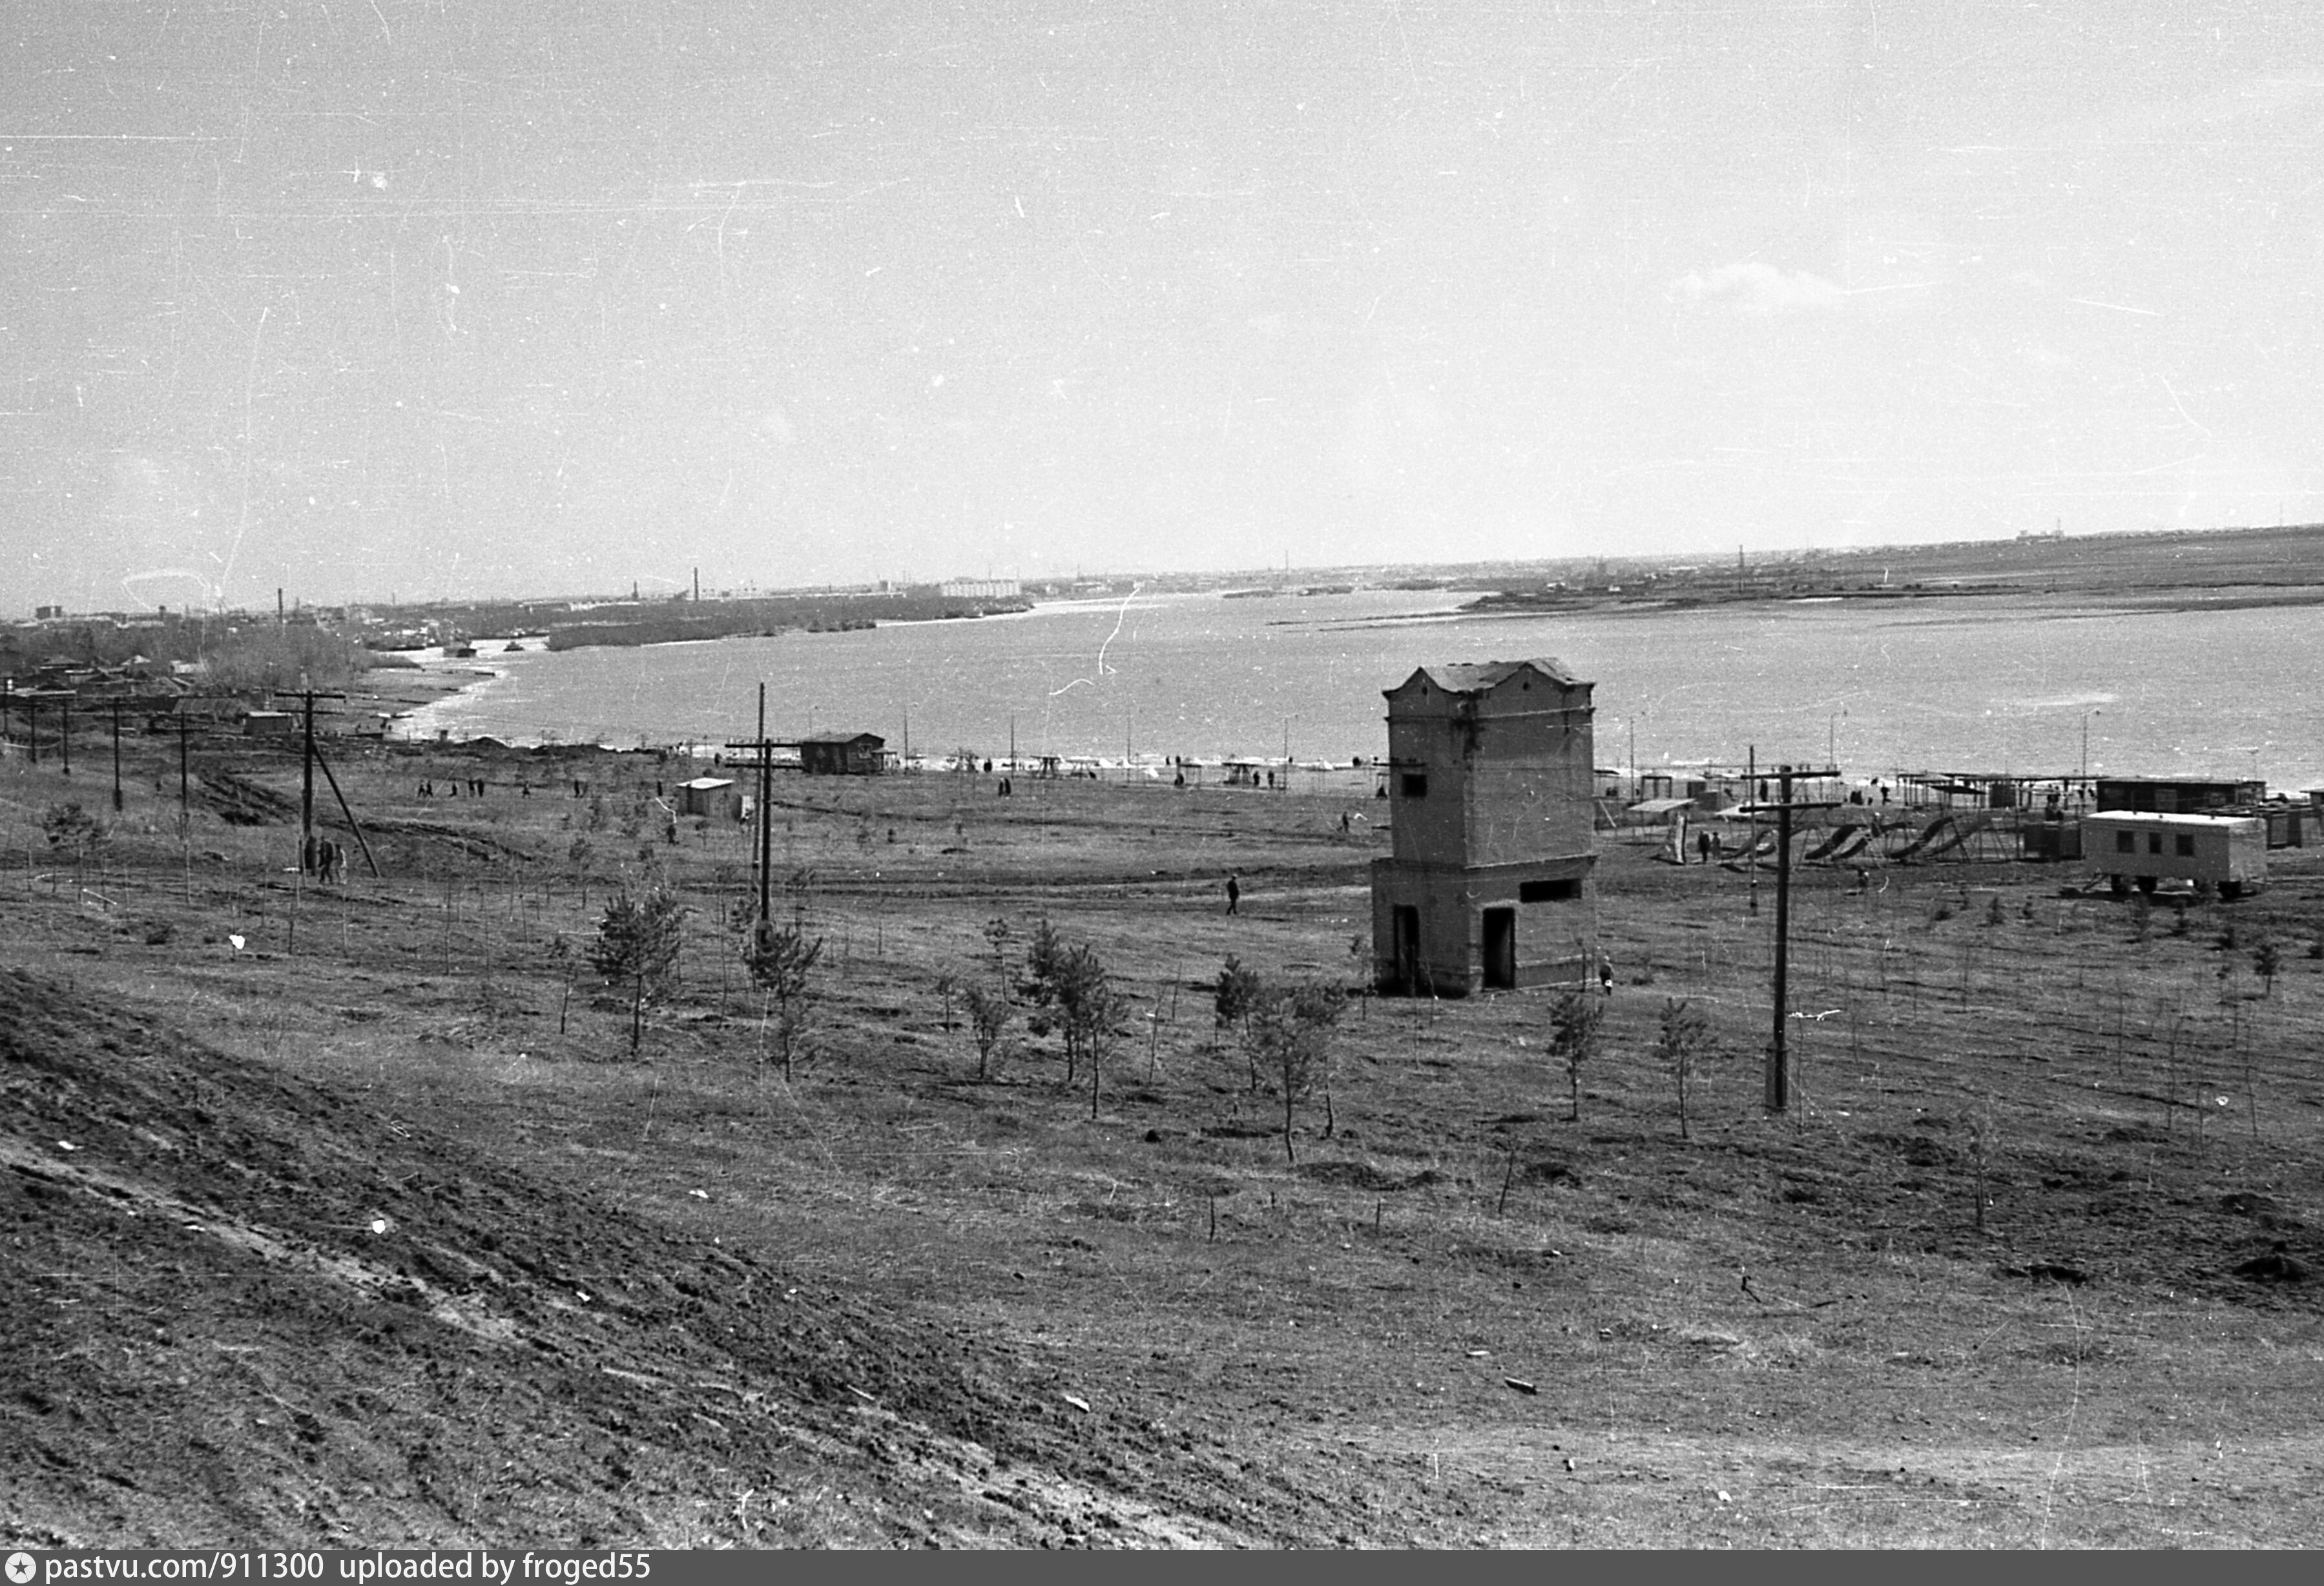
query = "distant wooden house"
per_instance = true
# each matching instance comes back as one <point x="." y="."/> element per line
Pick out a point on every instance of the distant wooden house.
<point x="842" y="755"/>
<point x="269" y="723"/>
<point x="202" y="707"/>
<point x="2178" y="795"/>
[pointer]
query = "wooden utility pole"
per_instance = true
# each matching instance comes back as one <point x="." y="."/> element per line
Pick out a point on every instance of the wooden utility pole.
<point x="1778" y="1058"/>
<point x="307" y="787"/>
<point x="1778" y="1096"/>
<point x="766" y="814"/>
<point x="306" y="780"/>
<point x="759" y="806"/>
<point x="763" y="840"/>
<point x="116" y="757"/>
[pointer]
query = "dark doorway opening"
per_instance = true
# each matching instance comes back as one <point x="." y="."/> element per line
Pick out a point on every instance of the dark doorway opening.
<point x="1408" y="950"/>
<point x="1500" y="949"/>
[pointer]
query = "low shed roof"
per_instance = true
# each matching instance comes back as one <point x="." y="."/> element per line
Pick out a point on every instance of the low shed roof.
<point x="2142" y="817"/>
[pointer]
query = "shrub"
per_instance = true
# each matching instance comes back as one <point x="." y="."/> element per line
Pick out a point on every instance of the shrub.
<point x="1573" y="1023"/>
<point x="990" y="1012"/>
<point x="73" y="832"/>
<point x="637" y="945"/>
<point x="1237" y="993"/>
<point x="781" y="962"/>
<point x="1290" y="1033"/>
<point x="1680" y="1037"/>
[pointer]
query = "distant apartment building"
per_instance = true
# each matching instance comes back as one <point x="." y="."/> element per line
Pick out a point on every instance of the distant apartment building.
<point x="980" y="589"/>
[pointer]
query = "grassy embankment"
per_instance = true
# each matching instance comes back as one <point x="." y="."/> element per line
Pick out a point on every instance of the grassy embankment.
<point x="2123" y="1353"/>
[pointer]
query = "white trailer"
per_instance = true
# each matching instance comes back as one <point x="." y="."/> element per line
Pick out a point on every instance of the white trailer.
<point x="2227" y="853"/>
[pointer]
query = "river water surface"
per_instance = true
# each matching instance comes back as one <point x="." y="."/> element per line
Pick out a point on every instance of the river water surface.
<point x="1982" y="684"/>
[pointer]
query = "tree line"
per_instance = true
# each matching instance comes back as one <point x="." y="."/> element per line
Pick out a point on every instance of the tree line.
<point x="1284" y="1032"/>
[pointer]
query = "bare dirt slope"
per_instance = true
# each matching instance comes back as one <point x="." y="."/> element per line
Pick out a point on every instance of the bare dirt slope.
<point x="242" y="1308"/>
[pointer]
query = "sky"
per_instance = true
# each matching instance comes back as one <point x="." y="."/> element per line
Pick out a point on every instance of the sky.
<point x="417" y="299"/>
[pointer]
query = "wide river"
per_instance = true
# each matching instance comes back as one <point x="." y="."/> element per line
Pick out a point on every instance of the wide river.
<point x="1987" y="684"/>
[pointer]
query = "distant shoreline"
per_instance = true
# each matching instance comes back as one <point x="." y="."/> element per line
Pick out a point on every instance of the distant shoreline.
<point x="2236" y="596"/>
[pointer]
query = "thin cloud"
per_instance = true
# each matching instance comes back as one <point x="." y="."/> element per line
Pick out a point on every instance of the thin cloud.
<point x="1751" y="287"/>
<point x="2248" y="100"/>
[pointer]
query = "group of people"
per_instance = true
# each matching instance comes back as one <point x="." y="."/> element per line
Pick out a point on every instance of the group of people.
<point x="324" y="859"/>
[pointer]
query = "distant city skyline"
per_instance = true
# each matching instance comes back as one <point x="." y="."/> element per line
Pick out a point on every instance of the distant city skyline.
<point x="447" y="302"/>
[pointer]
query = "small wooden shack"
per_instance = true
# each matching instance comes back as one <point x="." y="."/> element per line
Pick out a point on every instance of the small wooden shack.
<point x="842" y="755"/>
<point x="710" y="796"/>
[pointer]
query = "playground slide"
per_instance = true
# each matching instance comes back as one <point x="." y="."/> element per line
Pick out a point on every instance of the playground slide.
<point x="1839" y="837"/>
<point x="1846" y="844"/>
<point x="1935" y="832"/>
<point x="1765" y="848"/>
<point x="1961" y="833"/>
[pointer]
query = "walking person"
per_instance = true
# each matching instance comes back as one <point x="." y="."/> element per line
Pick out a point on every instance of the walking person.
<point x="1234" y="891"/>
<point x="1605" y="974"/>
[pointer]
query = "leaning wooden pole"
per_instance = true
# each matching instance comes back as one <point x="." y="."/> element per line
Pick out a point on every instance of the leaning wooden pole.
<point x="354" y="825"/>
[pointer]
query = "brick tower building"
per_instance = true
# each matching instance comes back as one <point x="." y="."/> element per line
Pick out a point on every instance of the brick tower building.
<point x="1490" y="790"/>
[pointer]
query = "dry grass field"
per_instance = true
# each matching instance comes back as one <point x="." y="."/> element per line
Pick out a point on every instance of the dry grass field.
<point x="344" y="1214"/>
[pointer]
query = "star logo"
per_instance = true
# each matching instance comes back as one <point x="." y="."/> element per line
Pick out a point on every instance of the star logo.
<point x="20" y="1568"/>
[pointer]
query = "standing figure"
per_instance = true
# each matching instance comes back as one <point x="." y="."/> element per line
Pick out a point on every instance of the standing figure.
<point x="1234" y="891"/>
<point x="1605" y="974"/>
